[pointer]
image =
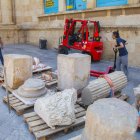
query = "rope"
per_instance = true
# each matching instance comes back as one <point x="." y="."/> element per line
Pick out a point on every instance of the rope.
<point x="49" y="76"/>
<point x="108" y="79"/>
<point x="36" y="61"/>
<point x="42" y="66"/>
<point x="34" y="67"/>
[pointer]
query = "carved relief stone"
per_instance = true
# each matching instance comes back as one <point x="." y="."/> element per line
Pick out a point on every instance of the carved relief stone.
<point x="58" y="108"/>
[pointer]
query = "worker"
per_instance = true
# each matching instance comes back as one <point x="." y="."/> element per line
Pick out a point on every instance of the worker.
<point x="123" y="53"/>
<point x="1" y="47"/>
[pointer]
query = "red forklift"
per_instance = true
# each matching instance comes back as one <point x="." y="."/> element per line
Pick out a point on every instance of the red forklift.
<point x="78" y="35"/>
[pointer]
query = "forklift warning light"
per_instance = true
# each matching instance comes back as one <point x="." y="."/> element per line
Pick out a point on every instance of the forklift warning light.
<point x="96" y="38"/>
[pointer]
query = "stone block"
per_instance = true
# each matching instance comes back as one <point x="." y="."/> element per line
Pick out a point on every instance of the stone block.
<point x="6" y="8"/>
<point x="19" y="69"/>
<point x="137" y="48"/>
<point x="22" y="40"/>
<point x="110" y="119"/>
<point x="57" y="108"/>
<point x="73" y="71"/>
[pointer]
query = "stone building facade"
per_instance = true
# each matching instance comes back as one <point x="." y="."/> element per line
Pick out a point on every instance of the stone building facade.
<point x="24" y="21"/>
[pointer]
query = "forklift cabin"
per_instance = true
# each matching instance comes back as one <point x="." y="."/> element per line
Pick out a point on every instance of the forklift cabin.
<point x="77" y="36"/>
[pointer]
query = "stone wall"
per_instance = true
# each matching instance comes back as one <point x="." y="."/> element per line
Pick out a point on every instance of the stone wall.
<point x="31" y="23"/>
<point x="27" y="12"/>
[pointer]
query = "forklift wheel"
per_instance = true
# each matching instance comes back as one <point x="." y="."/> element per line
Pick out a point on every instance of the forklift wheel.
<point x="64" y="50"/>
<point x="84" y="52"/>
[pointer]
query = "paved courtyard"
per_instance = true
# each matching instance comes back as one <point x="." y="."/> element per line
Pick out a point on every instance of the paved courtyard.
<point x="12" y="127"/>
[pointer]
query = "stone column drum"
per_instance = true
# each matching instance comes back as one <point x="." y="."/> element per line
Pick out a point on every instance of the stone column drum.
<point x="73" y="71"/>
<point x="100" y="88"/>
<point x="6" y="8"/>
<point x="110" y="119"/>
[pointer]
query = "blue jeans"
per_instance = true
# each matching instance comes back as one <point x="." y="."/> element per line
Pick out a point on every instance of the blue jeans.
<point x="1" y="58"/>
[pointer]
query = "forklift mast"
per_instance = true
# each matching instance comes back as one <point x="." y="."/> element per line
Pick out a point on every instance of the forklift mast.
<point x="70" y="26"/>
<point x="80" y="39"/>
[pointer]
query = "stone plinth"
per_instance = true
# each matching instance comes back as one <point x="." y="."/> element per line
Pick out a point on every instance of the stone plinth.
<point x="58" y="108"/>
<point x="73" y="71"/>
<point x="19" y="69"/>
<point x="110" y="119"/>
<point x="32" y="88"/>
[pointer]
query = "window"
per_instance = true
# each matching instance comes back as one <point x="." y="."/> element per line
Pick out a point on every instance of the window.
<point x="51" y="6"/>
<point x="76" y="4"/>
<point x="104" y="3"/>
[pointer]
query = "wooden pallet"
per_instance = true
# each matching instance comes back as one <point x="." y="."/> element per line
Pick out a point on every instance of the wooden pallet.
<point x="121" y="96"/>
<point x="19" y="106"/>
<point x="42" y="71"/>
<point x="49" y="84"/>
<point x="9" y="89"/>
<point x="42" y="131"/>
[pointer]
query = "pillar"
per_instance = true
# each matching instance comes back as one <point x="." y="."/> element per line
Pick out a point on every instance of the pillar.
<point x="132" y="1"/>
<point x="6" y="9"/>
<point x="91" y="4"/>
<point x="62" y="5"/>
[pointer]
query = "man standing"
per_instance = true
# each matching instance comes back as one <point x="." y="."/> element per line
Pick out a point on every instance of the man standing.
<point x="1" y="47"/>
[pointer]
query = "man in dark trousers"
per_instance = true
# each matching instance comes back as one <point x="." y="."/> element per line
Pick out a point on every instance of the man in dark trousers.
<point x="1" y="47"/>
